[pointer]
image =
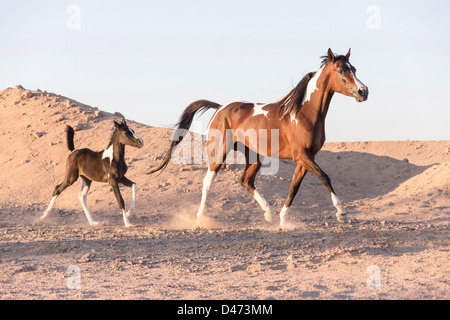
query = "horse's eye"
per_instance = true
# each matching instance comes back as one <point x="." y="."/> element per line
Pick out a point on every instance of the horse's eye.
<point x="341" y="71"/>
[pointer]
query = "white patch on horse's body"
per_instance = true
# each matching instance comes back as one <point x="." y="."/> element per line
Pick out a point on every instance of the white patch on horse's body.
<point x="312" y="86"/>
<point x="258" y="109"/>
<point x="108" y="153"/>
<point x="294" y="117"/>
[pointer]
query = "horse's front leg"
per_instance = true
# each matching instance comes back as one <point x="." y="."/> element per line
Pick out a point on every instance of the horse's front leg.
<point x="312" y="167"/>
<point x="128" y="183"/>
<point x="115" y="186"/>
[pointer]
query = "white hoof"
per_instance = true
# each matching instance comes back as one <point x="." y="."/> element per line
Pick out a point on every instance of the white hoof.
<point x="342" y="217"/>
<point x="268" y="216"/>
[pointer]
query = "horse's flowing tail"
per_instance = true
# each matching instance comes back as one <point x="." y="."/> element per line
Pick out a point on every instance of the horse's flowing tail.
<point x="183" y="126"/>
<point x="70" y="133"/>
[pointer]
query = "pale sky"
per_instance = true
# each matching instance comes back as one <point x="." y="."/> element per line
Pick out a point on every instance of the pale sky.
<point x="150" y="59"/>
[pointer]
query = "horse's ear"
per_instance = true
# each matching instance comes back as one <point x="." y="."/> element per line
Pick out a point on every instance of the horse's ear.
<point x="330" y="55"/>
<point x="116" y="124"/>
<point x="348" y="53"/>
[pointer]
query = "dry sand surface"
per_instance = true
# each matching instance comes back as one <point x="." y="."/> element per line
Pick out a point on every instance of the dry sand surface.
<point x="395" y="246"/>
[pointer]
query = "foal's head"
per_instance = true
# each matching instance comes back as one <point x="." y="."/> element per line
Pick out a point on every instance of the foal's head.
<point x="126" y="135"/>
<point x="343" y="78"/>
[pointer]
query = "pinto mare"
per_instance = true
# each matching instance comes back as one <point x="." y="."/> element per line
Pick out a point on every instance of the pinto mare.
<point x="104" y="166"/>
<point x="299" y="118"/>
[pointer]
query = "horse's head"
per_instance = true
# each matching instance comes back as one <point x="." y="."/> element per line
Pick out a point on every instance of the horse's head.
<point x="126" y="135"/>
<point x="343" y="77"/>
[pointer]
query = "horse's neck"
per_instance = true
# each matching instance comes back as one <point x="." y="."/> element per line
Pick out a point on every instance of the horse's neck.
<point x="316" y="108"/>
<point x="118" y="150"/>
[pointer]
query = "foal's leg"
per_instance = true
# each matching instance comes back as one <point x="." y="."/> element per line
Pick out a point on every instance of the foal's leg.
<point x="297" y="179"/>
<point x="128" y="183"/>
<point x="248" y="181"/>
<point x="83" y="199"/>
<point x="115" y="187"/>
<point x="312" y="167"/>
<point x="69" y="179"/>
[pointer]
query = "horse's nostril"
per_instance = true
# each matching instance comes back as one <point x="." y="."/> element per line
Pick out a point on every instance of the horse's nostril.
<point x="361" y="92"/>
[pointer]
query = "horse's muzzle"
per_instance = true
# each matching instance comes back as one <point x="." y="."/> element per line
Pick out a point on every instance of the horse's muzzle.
<point x="139" y="143"/>
<point x="362" y="94"/>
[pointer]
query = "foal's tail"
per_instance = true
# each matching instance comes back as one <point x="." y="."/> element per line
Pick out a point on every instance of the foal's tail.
<point x="70" y="133"/>
<point x="183" y="126"/>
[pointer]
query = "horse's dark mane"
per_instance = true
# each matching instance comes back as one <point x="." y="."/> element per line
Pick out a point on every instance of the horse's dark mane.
<point x="111" y="140"/>
<point x="292" y="102"/>
<point x="326" y="60"/>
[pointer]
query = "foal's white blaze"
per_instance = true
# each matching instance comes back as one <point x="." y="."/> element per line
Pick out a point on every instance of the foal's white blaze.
<point x="258" y="109"/>
<point x="108" y="153"/>
<point x="264" y="205"/>
<point x="207" y="181"/>
<point x="135" y="136"/>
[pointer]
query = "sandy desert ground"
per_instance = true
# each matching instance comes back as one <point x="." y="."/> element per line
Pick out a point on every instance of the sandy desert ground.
<point x="395" y="246"/>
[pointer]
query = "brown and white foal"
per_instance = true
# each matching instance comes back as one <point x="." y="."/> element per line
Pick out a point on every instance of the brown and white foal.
<point x="103" y="166"/>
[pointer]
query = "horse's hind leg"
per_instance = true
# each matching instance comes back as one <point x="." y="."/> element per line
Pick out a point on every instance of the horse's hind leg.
<point x="207" y="182"/>
<point x="248" y="181"/>
<point x="220" y="148"/>
<point x="83" y="199"/>
<point x="297" y="179"/>
<point x="70" y="178"/>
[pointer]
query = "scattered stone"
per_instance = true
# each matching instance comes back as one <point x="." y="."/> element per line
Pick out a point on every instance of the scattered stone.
<point x="85" y="258"/>
<point x="238" y="267"/>
<point x="405" y="160"/>
<point x="78" y="127"/>
<point x="98" y="114"/>
<point x="37" y="135"/>
<point x="58" y="119"/>
<point x="26" y="95"/>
